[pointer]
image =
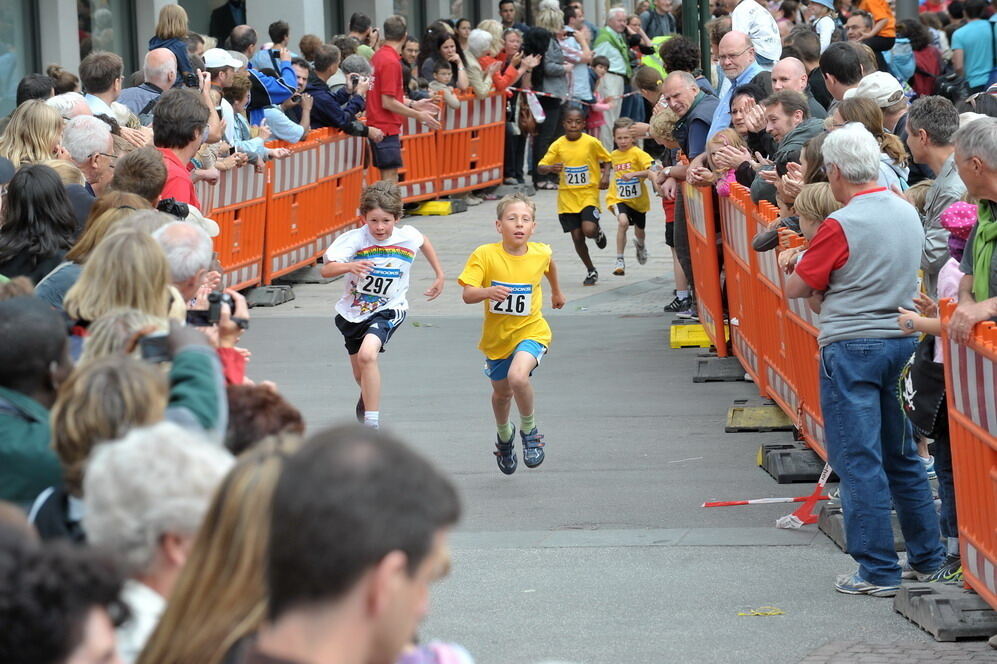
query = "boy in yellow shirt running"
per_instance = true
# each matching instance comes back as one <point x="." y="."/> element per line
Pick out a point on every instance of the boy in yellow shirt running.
<point x="627" y="197"/>
<point x="506" y="276"/>
<point x="580" y="159"/>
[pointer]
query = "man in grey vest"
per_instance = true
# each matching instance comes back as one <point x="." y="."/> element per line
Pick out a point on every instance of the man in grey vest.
<point x="863" y="264"/>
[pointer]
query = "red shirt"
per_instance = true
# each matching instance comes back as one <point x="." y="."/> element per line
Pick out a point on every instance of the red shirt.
<point x="387" y="64"/>
<point x="178" y="183"/>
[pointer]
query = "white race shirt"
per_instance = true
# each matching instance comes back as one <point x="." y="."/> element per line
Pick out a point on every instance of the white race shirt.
<point x="758" y="23"/>
<point x="386" y="285"/>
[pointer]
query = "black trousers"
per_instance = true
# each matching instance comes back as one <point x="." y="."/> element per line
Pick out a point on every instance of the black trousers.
<point x="550" y="130"/>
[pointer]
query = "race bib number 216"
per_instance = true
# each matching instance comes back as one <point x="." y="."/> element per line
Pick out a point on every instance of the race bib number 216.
<point x="519" y="302"/>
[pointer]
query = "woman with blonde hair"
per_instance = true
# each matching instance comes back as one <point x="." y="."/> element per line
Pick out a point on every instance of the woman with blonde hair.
<point x="100" y="402"/>
<point x="116" y="333"/>
<point x="67" y="171"/>
<point x="127" y="269"/>
<point x="171" y="34"/>
<point x="33" y="134"/>
<point x="220" y="599"/>
<point x="105" y="215"/>
<point x="893" y="171"/>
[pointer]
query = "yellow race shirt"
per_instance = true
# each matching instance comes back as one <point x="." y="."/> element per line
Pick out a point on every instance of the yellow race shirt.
<point x="519" y="317"/>
<point x="626" y="189"/>
<point x="579" y="184"/>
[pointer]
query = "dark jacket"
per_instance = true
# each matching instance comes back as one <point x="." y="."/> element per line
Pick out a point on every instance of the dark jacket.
<point x="788" y="150"/>
<point x="28" y="465"/>
<point x="692" y="128"/>
<point x="331" y="108"/>
<point x="269" y="91"/>
<point x="179" y="49"/>
<point x="54" y="518"/>
<point x="30" y="266"/>
<point x="223" y="21"/>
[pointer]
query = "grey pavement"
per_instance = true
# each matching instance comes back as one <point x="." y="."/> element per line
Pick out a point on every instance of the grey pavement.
<point x="603" y="554"/>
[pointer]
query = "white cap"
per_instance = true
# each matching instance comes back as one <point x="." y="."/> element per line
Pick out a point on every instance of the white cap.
<point x="210" y="226"/>
<point x="216" y="58"/>
<point x="882" y="88"/>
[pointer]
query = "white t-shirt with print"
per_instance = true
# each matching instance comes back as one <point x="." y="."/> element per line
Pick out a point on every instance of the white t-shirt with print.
<point x="385" y="286"/>
<point x="758" y="23"/>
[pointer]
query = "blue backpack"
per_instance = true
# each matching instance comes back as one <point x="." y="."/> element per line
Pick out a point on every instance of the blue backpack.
<point x="901" y="60"/>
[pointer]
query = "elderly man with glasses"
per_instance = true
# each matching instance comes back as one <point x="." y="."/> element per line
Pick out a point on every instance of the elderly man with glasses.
<point x="736" y="56"/>
<point x="91" y="147"/>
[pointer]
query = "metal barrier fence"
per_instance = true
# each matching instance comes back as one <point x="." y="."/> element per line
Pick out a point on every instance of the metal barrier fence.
<point x="971" y="384"/>
<point x="704" y="247"/>
<point x="275" y="222"/>
<point x="775" y="339"/>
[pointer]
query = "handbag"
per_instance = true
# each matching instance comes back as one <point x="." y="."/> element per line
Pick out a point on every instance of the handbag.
<point x="526" y="115"/>
<point x="921" y="391"/>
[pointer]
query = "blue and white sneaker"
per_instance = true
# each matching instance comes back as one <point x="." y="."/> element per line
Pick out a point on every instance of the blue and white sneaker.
<point x="909" y="573"/>
<point x="533" y="448"/>
<point x="853" y="584"/>
<point x="505" y="453"/>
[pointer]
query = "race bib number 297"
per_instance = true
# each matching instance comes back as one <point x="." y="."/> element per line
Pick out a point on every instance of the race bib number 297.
<point x="379" y="282"/>
<point x="519" y="302"/>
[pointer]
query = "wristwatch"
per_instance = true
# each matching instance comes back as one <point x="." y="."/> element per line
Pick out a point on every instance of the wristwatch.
<point x="668" y="172"/>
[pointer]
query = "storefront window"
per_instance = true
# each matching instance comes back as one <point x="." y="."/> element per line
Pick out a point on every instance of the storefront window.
<point x="414" y="12"/>
<point x="18" y="55"/>
<point x="108" y="25"/>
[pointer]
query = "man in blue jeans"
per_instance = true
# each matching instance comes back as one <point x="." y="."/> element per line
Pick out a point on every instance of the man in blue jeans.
<point x="861" y="265"/>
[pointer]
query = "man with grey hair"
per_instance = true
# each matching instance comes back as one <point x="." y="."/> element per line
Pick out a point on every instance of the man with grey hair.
<point x="69" y="105"/>
<point x="861" y="266"/>
<point x="91" y="147"/>
<point x="189" y="253"/>
<point x="146" y="495"/>
<point x="611" y="43"/>
<point x="931" y="124"/>
<point x="160" y="70"/>
<point x="976" y="159"/>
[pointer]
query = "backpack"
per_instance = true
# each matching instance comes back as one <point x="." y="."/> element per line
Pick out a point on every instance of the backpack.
<point x="901" y="59"/>
<point x="948" y="83"/>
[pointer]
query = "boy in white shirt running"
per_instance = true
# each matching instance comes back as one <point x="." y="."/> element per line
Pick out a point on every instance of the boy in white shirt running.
<point x="506" y="276"/>
<point x="376" y="258"/>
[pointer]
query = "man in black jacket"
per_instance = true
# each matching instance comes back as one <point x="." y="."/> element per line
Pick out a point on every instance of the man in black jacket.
<point x="336" y="109"/>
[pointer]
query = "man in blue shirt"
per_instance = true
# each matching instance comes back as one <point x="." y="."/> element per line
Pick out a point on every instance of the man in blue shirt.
<point x="737" y="58"/>
<point x="335" y="109"/>
<point x="973" y="47"/>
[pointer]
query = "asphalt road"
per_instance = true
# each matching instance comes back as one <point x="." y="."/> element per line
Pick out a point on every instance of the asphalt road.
<point x="603" y="554"/>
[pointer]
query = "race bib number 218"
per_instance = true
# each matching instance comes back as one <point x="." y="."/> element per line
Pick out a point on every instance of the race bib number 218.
<point x="576" y="176"/>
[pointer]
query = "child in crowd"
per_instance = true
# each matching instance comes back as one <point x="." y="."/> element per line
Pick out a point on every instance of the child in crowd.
<point x="596" y="117"/>
<point x="814" y="204"/>
<point x="958" y="219"/>
<point x="627" y="198"/>
<point x="506" y="276"/>
<point x="442" y="76"/>
<point x="579" y="158"/>
<point x="722" y="179"/>
<point x="377" y="259"/>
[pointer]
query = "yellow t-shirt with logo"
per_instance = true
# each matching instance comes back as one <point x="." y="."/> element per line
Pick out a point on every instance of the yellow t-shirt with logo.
<point x="519" y="317"/>
<point x="625" y="189"/>
<point x="578" y="187"/>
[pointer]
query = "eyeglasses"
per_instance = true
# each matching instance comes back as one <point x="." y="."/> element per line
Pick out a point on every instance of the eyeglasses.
<point x="112" y="157"/>
<point x="721" y="57"/>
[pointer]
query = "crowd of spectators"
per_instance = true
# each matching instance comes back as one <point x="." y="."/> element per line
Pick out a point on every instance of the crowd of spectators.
<point x="127" y="422"/>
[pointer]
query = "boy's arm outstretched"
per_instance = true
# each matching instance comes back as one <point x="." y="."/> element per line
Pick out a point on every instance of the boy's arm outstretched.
<point x="335" y="268"/>
<point x="473" y="295"/>
<point x="557" y="298"/>
<point x="427" y="248"/>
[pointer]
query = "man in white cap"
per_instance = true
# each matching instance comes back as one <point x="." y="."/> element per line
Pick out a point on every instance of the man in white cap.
<point x="222" y="66"/>
<point x="885" y="90"/>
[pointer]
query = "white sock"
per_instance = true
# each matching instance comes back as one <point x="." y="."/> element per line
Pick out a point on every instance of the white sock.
<point x="926" y="459"/>
<point x="952" y="546"/>
<point x="682" y="294"/>
<point x="371" y="418"/>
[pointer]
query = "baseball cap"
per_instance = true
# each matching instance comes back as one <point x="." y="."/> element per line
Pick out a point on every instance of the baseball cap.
<point x="826" y="3"/>
<point x="215" y="58"/>
<point x="958" y="219"/>
<point x="879" y="86"/>
<point x="210" y="226"/>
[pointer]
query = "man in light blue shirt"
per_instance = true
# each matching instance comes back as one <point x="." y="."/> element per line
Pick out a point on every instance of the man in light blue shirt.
<point x="100" y="75"/>
<point x="737" y="58"/>
<point x="973" y="47"/>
